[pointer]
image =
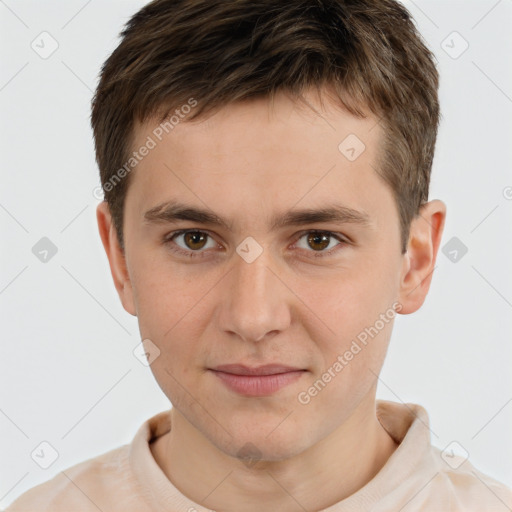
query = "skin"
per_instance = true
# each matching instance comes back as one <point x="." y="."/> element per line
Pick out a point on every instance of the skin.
<point x="250" y="161"/>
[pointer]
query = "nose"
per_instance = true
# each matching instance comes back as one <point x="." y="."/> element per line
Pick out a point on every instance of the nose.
<point x="256" y="303"/>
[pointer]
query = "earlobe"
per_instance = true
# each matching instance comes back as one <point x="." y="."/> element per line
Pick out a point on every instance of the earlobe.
<point x="419" y="261"/>
<point x="116" y="257"/>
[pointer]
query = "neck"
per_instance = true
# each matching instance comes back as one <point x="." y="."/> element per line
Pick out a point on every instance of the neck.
<point x="327" y="472"/>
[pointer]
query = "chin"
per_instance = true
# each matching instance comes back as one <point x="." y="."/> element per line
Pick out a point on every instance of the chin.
<point x="260" y="448"/>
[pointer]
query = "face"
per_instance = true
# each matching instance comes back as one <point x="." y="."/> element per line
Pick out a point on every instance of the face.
<point x="256" y="285"/>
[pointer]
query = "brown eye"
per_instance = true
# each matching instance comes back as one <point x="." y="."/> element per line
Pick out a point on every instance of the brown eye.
<point x="195" y="239"/>
<point x="318" y="241"/>
<point x="190" y="243"/>
<point x="321" y="243"/>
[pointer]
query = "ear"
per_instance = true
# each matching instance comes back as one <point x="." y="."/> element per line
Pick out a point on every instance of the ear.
<point x="419" y="260"/>
<point x="116" y="257"/>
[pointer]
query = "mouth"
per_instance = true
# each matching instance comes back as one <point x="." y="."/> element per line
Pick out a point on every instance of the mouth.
<point x="257" y="381"/>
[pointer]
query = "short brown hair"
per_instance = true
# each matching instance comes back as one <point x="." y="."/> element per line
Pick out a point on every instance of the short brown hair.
<point x="221" y="51"/>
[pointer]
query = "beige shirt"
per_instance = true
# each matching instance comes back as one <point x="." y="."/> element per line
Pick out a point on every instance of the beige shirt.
<point x="415" y="477"/>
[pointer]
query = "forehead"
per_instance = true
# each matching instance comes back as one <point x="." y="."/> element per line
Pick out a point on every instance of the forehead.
<point x="311" y="122"/>
<point x="258" y="155"/>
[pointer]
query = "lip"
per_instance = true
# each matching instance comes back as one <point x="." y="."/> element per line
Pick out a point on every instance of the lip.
<point x="257" y="381"/>
<point x="266" y="369"/>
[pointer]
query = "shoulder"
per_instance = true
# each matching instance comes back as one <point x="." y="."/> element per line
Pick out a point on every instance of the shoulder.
<point x="462" y="487"/>
<point x="84" y="487"/>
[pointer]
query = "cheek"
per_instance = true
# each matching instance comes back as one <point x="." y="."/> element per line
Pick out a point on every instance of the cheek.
<point x="353" y="319"/>
<point x="351" y="363"/>
<point x="169" y="314"/>
<point x="171" y="319"/>
<point x="167" y="297"/>
<point x="351" y="300"/>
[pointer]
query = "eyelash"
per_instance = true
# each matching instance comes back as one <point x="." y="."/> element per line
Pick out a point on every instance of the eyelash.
<point x="169" y="241"/>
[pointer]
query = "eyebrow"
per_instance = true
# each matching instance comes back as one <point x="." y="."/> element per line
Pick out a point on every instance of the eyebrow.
<point x="174" y="211"/>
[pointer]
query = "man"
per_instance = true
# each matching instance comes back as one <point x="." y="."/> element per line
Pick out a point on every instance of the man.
<point x="266" y="171"/>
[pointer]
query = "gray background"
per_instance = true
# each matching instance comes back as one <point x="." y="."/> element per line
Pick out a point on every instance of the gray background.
<point x="67" y="369"/>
